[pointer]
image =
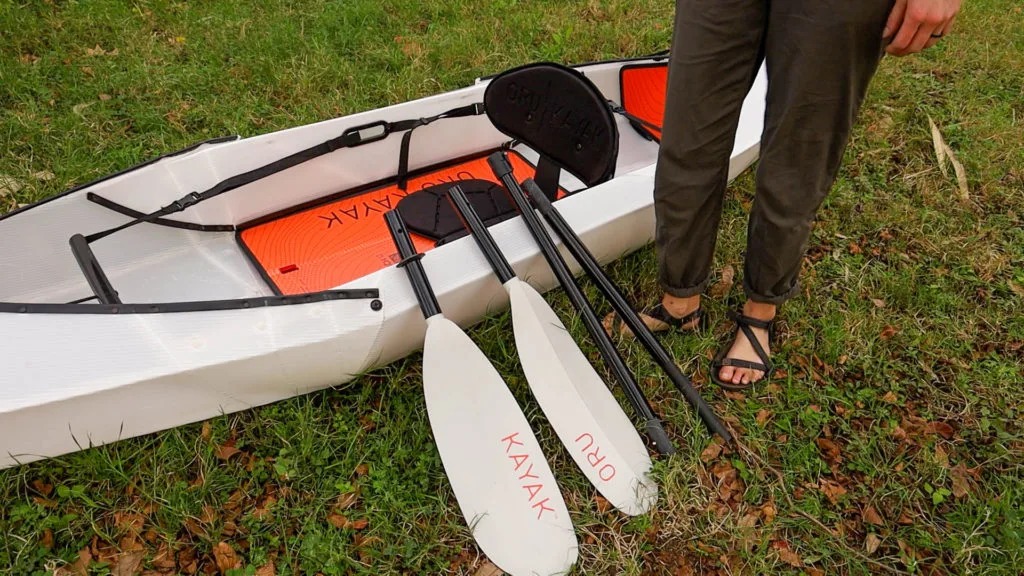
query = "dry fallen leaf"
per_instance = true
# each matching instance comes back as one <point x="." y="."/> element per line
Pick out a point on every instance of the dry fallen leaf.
<point x="721" y="288"/>
<point x="829" y="450"/>
<point x="940" y="428"/>
<point x="362" y="470"/>
<point x="47" y="539"/>
<point x="871" y="543"/>
<point x="888" y="332"/>
<point x="786" y="554"/>
<point x="871" y="516"/>
<point x="940" y="146"/>
<point x="890" y="397"/>
<point x="337" y="520"/>
<point x="128" y="563"/>
<point x="878" y="303"/>
<point x="713" y="450"/>
<point x="225" y="557"/>
<point x="205" y="432"/>
<point x="266" y="570"/>
<point x="832" y="490"/>
<point x="603" y="505"/>
<point x="104" y="97"/>
<point x="488" y="569"/>
<point x="941" y="458"/>
<point x="1018" y="290"/>
<point x="763" y="416"/>
<point x="9" y="185"/>
<point x="961" y="482"/>
<point x="43" y="175"/>
<point x="227" y="450"/>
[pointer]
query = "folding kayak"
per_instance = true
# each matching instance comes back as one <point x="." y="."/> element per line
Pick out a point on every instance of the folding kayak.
<point x="239" y="272"/>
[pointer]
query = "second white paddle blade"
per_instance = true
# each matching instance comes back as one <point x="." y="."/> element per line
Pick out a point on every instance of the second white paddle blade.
<point x="501" y="480"/>
<point x="579" y="405"/>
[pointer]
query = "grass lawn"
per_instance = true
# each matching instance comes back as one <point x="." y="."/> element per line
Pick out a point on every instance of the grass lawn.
<point x="891" y="440"/>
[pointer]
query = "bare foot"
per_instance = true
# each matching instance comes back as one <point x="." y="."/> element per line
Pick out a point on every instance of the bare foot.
<point x="742" y="349"/>
<point x="677" y="307"/>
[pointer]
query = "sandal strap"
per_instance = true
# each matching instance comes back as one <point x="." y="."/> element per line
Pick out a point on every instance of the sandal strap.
<point x="660" y="314"/>
<point x="742" y="319"/>
<point x="755" y="344"/>
<point x="738" y="363"/>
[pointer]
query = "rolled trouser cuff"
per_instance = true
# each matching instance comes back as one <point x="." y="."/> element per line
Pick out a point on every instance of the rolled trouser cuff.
<point x="760" y="298"/>
<point x="677" y="292"/>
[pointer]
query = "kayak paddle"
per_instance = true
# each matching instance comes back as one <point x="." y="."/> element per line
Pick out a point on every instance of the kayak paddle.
<point x="501" y="480"/>
<point x="577" y="403"/>
<point x="628" y="315"/>
<point x="655" y="432"/>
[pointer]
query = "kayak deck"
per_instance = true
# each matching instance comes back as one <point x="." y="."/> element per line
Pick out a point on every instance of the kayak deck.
<point x="334" y="242"/>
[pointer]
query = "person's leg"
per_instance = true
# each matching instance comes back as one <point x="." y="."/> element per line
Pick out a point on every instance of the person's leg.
<point x="820" y="58"/>
<point x="717" y="48"/>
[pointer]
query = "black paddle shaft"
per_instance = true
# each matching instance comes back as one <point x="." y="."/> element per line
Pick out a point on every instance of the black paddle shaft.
<point x="480" y="233"/>
<point x="411" y="262"/>
<point x="652" y="424"/>
<point x="593" y="269"/>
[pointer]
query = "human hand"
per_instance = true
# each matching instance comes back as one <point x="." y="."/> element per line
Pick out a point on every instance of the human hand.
<point x="915" y="25"/>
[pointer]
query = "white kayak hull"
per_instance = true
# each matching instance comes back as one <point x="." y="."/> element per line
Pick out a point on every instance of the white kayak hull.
<point x="75" y="380"/>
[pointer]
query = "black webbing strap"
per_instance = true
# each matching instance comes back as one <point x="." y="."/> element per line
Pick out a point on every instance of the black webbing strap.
<point x="547" y="177"/>
<point x="350" y="138"/>
<point x="637" y="122"/>
<point x="410" y="125"/>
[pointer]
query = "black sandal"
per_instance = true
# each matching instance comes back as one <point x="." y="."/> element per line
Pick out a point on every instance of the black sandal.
<point x="660" y="314"/>
<point x="745" y="323"/>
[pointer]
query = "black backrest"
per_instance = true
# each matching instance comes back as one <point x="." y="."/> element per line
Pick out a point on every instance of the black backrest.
<point x="559" y="113"/>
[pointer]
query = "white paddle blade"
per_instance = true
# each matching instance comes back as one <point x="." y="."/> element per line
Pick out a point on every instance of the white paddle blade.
<point x="580" y="407"/>
<point x="501" y="480"/>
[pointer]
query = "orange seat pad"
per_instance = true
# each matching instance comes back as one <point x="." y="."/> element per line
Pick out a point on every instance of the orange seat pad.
<point x="334" y="243"/>
<point x="643" y="92"/>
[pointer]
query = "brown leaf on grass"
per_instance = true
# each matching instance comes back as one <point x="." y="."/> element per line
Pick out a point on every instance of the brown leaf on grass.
<point x="735" y="395"/>
<point x="362" y="470"/>
<point x="263" y="507"/>
<point x="786" y="554"/>
<point x="266" y="570"/>
<point x="829" y="450"/>
<point x="488" y="569"/>
<point x="905" y="519"/>
<point x="9" y="185"/>
<point x="888" y="332"/>
<point x="226" y="557"/>
<point x="941" y="458"/>
<point x="871" y="543"/>
<point x="890" y="398"/>
<point x="712" y="451"/>
<point x="360" y="524"/>
<point x="940" y="428"/>
<point x="832" y="490"/>
<point x="603" y="505"/>
<point x="47" y="540"/>
<point x="227" y="450"/>
<point x="871" y="516"/>
<point x="104" y="97"/>
<point x="879" y="303"/>
<point x="768" y="512"/>
<point x="721" y="288"/>
<point x="337" y="520"/>
<point x="939" y="143"/>
<point x="44" y="502"/>
<point x="42" y="487"/>
<point x="855" y="248"/>
<point x="97" y="51"/>
<point x="80" y="567"/>
<point x="961" y="476"/>
<point x="748" y="520"/>
<point x="205" y="432"/>
<point x="763" y="416"/>
<point x="128" y="563"/>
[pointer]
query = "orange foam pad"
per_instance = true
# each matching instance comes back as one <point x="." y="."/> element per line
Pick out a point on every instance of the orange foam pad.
<point x="328" y="245"/>
<point x="643" y="93"/>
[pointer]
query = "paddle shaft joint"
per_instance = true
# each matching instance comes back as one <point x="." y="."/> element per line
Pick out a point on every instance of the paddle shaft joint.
<point x="479" y="231"/>
<point x="411" y="263"/>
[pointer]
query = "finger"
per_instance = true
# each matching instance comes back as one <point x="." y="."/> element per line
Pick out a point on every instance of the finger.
<point x="903" y="38"/>
<point x="895" y="18"/>
<point x="922" y="38"/>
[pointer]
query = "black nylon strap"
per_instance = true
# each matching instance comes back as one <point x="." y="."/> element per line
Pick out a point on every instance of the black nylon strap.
<point x="350" y="138"/>
<point x="636" y="121"/>
<point x="410" y="125"/>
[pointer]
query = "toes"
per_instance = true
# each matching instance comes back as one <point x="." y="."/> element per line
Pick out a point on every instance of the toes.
<point x="727" y="373"/>
<point x="738" y="377"/>
<point x="746" y="376"/>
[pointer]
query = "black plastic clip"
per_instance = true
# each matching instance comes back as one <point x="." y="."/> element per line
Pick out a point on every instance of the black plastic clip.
<point x="406" y="261"/>
<point x="184" y="202"/>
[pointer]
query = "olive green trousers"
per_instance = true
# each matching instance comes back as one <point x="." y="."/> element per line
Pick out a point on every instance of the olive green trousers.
<point x="820" y="56"/>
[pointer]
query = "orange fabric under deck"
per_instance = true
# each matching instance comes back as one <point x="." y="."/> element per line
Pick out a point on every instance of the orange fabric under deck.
<point x="643" y="93"/>
<point x="334" y="243"/>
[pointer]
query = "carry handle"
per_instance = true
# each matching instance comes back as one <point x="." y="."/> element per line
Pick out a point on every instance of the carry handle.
<point x="365" y="134"/>
<point x="471" y="220"/>
<point x="92" y="270"/>
<point x="411" y="262"/>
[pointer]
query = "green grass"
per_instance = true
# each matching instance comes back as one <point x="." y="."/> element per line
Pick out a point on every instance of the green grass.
<point x="911" y="406"/>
